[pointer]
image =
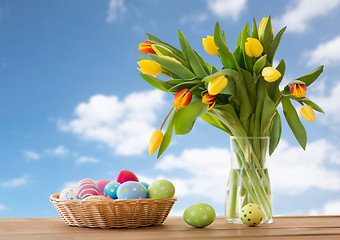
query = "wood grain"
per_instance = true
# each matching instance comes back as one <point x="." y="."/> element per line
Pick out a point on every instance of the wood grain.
<point x="317" y="227"/>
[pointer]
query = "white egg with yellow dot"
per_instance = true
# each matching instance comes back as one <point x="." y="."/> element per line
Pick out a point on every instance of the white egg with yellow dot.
<point x="131" y="190"/>
<point x="251" y="214"/>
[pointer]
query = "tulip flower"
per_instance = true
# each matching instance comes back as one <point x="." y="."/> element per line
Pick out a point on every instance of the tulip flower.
<point x="307" y="113"/>
<point x="182" y="98"/>
<point x="298" y="90"/>
<point x="209" y="45"/>
<point x="270" y="74"/>
<point x="262" y="24"/>
<point x="253" y="47"/>
<point x="216" y="85"/>
<point x="155" y="141"/>
<point x="146" y="47"/>
<point x="149" y="67"/>
<point x="210" y="100"/>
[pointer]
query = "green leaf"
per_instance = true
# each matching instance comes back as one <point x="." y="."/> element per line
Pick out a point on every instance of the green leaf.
<point x="274" y="45"/>
<point x="310" y="77"/>
<point x="239" y="57"/>
<point x="227" y="58"/>
<point x="155" y="82"/>
<point x="143" y="58"/>
<point x="215" y="122"/>
<point x="255" y="33"/>
<point x="294" y="122"/>
<point x="228" y="72"/>
<point x="251" y="86"/>
<point x="170" y="54"/>
<point x="304" y="100"/>
<point x="192" y="58"/>
<point x="249" y="61"/>
<point x="157" y="40"/>
<point x="275" y="133"/>
<point x="186" y="84"/>
<point x="266" y="37"/>
<point x="186" y="117"/>
<point x="247" y="28"/>
<point x="268" y="112"/>
<point x="259" y="64"/>
<point x="173" y="67"/>
<point x="167" y="135"/>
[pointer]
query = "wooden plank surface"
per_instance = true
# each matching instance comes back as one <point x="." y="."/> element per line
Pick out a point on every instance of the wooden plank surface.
<point x="320" y="227"/>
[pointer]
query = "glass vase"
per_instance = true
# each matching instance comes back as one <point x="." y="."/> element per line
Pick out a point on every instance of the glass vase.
<point x="248" y="179"/>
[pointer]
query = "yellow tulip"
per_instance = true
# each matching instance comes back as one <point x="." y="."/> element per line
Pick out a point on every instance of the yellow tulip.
<point x="209" y="45"/>
<point x="307" y="113"/>
<point x="216" y="85"/>
<point x="149" y="67"/>
<point x="155" y="47"/>
<point x="262" y="24"/>
<point x="253" y="47"/>
<point x="270" y="74"/>
<point x="155" y="141"/>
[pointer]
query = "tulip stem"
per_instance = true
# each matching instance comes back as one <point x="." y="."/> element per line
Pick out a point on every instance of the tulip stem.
<point x="194" y="87"/>
<point x="166" y="117"/>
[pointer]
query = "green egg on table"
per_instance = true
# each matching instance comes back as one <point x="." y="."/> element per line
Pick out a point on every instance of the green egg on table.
<point x="251" y="214"/>
<point x="161" y="189"/>
<point x="199" y="215"/>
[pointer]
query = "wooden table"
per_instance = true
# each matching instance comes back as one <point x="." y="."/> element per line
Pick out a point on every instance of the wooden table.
<point x="320" y="227"/>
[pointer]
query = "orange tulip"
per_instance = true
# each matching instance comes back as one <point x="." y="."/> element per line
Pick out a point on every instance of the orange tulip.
<point x="146" y="47"/>
<point x="298" y="90"/>
<point x="210" y="100"/>
<point x="182" y="98"/>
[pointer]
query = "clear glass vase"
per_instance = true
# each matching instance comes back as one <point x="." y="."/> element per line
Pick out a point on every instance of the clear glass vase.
<point x="248" y="179"/>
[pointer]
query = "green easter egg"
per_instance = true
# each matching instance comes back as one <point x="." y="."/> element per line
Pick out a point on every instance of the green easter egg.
<point x="251" y="214"/>
<point x="161" y="189"/>
<point x="199" y="215"/>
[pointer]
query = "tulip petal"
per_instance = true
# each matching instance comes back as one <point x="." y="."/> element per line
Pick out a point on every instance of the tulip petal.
<point x="270" y="74"/>
<point x="155" y="141"/>
<point x="307" y="113"/>
<point x="216" y="85"/>
<point x="149" y="67"/>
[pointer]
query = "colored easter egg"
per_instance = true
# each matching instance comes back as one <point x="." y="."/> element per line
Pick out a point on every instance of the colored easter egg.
<point x="68" y="194"/>
<point x="251" y="214"/>
<point x="161" y="189"/>
<point x="101" y="185"/>
<point x="107" y="198"/>
<point x="199" y="215"/>
<point x="131" y="190"/>
<point x="125" y="176"/>
<point x="146" y="185"/>
<point x="93" y="198"/>
<point x="87" y="187"/>
<point x="110" y="190"/>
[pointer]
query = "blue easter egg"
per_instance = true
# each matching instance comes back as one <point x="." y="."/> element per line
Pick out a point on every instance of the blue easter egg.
<point x="131" y="190"/>
<point x="110" y="190"/>
<point x="146" y="185"/>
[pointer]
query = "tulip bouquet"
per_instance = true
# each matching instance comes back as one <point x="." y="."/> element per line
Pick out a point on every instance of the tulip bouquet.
<point x="240" y="99"/>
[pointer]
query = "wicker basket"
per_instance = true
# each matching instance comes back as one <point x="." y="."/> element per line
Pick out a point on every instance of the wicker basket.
<point x="113" y="214"/>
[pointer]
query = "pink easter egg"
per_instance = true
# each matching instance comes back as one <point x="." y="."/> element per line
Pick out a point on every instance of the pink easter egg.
<point x="125" y="176"/>
<point x="87" y="187"/>
<point x="101" y="185"/>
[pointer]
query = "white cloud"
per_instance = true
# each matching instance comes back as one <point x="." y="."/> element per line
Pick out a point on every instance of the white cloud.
<point x="31" y="155"/>
<point x="16" y="182"/>
<point x="330" y="104"/>
<point x="125" y="126"/>
<point x="69" y="185"/>
<point x="84" y="159"/>
<point x="3" y="207"/>
<point x="60" y="151"/>
<point x="197" y="18"/>
<point x="301" y="12"/>
<point x="327" y="53"/>
<point x="291" y="170"/>
<point x="227" y="8"/>
<point x="116" y="9"/>
<point x="330" y="208"/>
<point x="206" y="169"/>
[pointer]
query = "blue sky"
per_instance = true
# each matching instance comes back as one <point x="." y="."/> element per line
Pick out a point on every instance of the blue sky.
<point x="74" y="106"/>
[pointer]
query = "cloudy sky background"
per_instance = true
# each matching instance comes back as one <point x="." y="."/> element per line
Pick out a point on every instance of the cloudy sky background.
<point x="73" y="105"/>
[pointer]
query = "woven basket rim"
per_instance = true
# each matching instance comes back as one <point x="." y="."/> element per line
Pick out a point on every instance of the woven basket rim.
<point x="55" y="198"/>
